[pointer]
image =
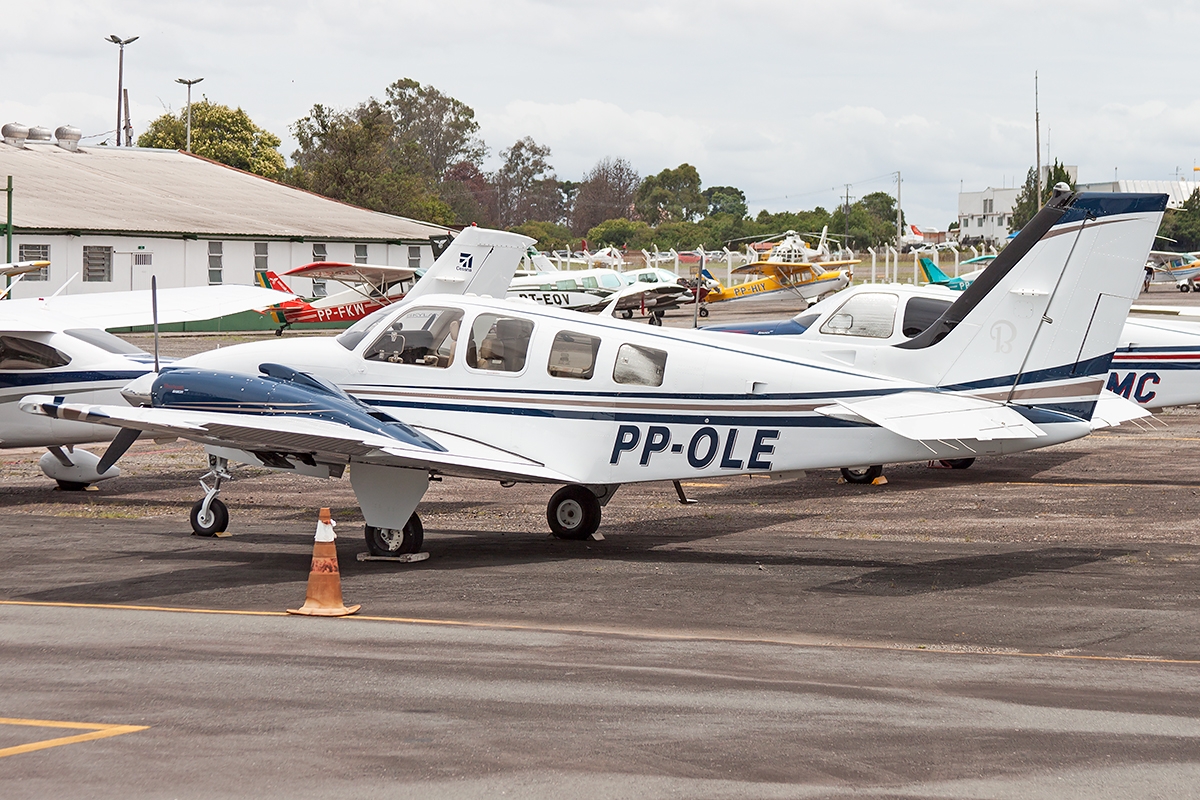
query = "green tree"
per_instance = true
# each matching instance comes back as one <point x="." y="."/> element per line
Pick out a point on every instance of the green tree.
<point x="1026" y="205"/>
<point x="550" y="235"/>
<point x="445" y="128"/>
<point x="1183" y="225"/>
<point x="526" y="186"/>
<point x="872" y="220"/>
<point x="353" y="156"/>
<point x="220" y="133"/>
<point x="726" y="200"/>
<point x="621" y="232"/>
<point x="671" y="195"/>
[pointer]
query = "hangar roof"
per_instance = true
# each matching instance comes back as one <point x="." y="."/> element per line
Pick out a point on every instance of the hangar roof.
<point x="148" y="191"/>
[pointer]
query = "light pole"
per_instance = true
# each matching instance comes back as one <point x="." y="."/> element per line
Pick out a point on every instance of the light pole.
<point x="119" y="42"/>
<point x="189" y="84"/>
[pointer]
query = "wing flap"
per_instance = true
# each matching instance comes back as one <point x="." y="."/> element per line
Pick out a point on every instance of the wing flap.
<point x="932" y="416"/>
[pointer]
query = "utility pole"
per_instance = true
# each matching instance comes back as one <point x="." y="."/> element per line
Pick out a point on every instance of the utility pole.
<point x="119" y="42"/>
<point x="189" y="84"/>
<point x="1037" y="132"/>
<point x="899" y="213"/>
<point x="846" y="215"/>
<point x="128" y="123"/>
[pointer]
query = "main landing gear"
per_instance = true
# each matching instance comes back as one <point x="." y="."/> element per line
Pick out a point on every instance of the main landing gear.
<point x="210" y="516"/>
<point x="574" y="511"/>
<point x="861" y="474"/>
<point x="655" y="318"/>
<point x="703" y="311"/>
<point x="391" y="542"/>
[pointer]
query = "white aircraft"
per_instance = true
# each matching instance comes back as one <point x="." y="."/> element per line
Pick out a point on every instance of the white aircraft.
<point x="60" y="345"/>
<point x="650" y="291"/>
<point x="452" y="381"/>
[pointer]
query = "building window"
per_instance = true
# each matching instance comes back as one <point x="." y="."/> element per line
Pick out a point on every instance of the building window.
<point x="143" y="259"/>
<point x="216" y="257"/>
<point x="414" y="257"/>
<point x="260" y="257"/>
<point x="360" y="254"/>
<point x="35" y="252"/>
<point x="97" y="263"/>
<point x="979" y="223"/>
<point x="320" y="253"/>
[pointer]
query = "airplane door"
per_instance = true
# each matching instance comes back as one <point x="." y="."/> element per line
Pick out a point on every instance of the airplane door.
<point x="142" y="269"/>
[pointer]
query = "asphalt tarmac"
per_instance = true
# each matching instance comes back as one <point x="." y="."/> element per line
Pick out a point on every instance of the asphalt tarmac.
<point x="1024" y="628"/>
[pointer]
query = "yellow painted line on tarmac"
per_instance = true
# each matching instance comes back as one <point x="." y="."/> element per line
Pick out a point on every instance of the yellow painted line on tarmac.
<point x="1085" y="484"/>
<point x="636" y="634"/>
<point x="95" y="731"/>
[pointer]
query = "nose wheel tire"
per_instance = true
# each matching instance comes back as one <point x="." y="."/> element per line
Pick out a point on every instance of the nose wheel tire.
<point x="573" y="513"/>
<point x="392" y="542"/>
<point x="703" y="311"/>
<point x="211" y="523"/>
<point x="863" y="475"/>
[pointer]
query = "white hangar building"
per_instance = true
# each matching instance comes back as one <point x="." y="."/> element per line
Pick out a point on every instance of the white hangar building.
<point x="107" y="218"/>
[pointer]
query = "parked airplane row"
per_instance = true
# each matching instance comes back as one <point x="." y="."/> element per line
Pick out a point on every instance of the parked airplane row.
<point x="457" y="379"/>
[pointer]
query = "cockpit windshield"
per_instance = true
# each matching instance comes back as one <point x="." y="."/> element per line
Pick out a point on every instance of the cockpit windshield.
<point x="350" y="337"/>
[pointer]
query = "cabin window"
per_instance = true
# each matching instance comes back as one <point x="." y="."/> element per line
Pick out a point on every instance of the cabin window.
<point x="360" y="254"/>
<point x="647" y="277"/>
<point x="590" y="283"/>
<point x="35" y="252"/>
<point x="422" y="336"/>
<point x="260" y="258"/>
<point x="610" y="281"/>
<point x="567" y="285"/>
<point x="499" y="344"/>
<point x="870" y="314"/>
<point x="97" y="263"/>
<point x="573" y="355"/>
<point x="216" y="258"/>
<point x="920" y="313"/>
<point x="639" y="366"/>
<point x="17" y="353"/>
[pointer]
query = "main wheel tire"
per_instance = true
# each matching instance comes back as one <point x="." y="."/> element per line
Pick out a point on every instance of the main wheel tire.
<point x="212" y="523"/>
<point x="573" y="512"/>
<point x="627" y="313"/>
<point x="958" y="463"/>
<point x="863" y="475"/>
<point x="72" y="486"/>
<point x="1183" y="287"/>
<point x="703" y="311"/>
<point x="655" y="319"/>
<point x="392" y="542"/>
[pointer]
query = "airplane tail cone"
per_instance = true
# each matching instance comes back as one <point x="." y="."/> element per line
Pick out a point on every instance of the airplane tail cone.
<point x="324" y="596"/>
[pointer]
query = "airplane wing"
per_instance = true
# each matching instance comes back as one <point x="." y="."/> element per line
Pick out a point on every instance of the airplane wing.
<point x="1166" y="311"/>
<point x="309" y="439"/>
<point x="373" y="274"/>
<point x="791" y="268"/>
<point x="21" y="267"/>
<point x="127" y="309"/>
<point x="933" y="416"/>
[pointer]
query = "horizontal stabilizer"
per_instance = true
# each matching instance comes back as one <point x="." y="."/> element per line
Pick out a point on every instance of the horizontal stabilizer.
<point x="933" y="416"/>
<point x="1112" y="410"/>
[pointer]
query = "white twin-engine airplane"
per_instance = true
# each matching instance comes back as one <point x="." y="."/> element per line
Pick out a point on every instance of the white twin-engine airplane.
<point x="452" y="381"/>
<point x="60" y="345"/>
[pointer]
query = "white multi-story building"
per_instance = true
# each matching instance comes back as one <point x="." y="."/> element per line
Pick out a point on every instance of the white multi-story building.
<point x="985" y="217"/>
<point x="1177" y="191"/>
<point x="107" y="218"/>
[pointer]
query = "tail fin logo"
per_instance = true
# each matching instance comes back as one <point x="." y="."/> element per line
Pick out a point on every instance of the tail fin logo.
<point x="1003" y="333"/>
<point x="466" y="262"/>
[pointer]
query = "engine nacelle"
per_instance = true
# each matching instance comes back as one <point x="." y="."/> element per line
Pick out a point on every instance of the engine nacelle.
<point x="76" y="466"/>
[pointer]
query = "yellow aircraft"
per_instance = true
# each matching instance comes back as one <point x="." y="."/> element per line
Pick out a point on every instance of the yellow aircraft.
<point x="790" y="266"/>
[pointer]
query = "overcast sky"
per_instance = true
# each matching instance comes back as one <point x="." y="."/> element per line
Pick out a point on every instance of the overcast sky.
<point x="788" y="101"/>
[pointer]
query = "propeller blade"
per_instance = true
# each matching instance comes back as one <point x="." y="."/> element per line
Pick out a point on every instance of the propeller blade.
<point x="120" y="443"/>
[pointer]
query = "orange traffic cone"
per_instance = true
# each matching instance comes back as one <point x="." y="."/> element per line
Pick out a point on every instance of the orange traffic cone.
<point x="324" y="597"/>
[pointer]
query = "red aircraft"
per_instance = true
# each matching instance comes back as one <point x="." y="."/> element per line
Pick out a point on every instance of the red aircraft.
<point x="371" y="287"/>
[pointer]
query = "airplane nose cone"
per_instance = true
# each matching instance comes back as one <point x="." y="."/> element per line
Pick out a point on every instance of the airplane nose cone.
<point x="138" y="391"/>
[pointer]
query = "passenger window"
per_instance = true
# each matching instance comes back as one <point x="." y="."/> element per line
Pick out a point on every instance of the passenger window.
<point x="573" y="355"/>
<point x="639" y="366"/>
<point x="499" y="343"/>
<point x="610" y="281"/>
<point x="871" y="314"/>
<point x="920" y="313"/>
<point x="590" y="283"/>
<point x="424" y="336"/>
<point x="648" y="277"/>
<point x="22" y="354"/>
<point x="567" y="286"/>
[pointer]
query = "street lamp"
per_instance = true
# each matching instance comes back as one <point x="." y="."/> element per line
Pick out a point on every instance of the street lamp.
<point x="189" y="84"/>
<point x="119" y="42"/>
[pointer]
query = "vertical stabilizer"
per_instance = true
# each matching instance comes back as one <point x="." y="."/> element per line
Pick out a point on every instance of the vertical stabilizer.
<point x="1043" y="320"/>
<point x="479" y="261"/>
